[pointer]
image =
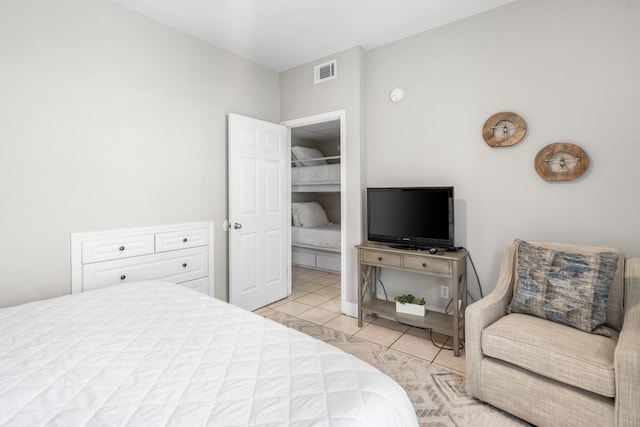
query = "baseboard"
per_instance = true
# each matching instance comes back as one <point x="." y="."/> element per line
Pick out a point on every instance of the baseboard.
<point x="350" y="309"/>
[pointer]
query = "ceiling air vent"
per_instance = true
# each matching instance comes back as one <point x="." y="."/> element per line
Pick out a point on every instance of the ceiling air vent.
<point x="324" y="72"/>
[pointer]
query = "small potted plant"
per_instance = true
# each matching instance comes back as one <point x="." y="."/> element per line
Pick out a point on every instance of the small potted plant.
<point x="408" y="304"/>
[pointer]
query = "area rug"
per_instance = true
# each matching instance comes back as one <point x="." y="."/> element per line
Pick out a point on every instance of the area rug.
<point x="439" y="396"/>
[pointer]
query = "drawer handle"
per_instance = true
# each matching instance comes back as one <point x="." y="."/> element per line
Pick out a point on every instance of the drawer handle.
<point x="424" y="264"/>
<point x="185" y="240"/>
<point x="123" y="277"/>
<point x="379" y="258"/>
<point x="121" y="248"/>
<point x="184" y="265"/>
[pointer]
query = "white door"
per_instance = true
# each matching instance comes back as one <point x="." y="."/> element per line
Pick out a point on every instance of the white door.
<point x="259" y="212"/>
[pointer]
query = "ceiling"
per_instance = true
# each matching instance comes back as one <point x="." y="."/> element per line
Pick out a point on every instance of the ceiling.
<point x="282" y="34"/>
<point x="318" y="132"/>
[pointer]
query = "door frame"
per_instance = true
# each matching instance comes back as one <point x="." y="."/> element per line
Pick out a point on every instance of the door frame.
<point x="311" y="120"/>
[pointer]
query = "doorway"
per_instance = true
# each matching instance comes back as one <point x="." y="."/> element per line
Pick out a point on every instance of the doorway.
<point x="318" y="187"/>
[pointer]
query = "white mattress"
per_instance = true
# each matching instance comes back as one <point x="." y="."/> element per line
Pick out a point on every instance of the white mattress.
<point x="323" y="174"/>
<point x="326" y="236"/>
<point x="155" y="354"/>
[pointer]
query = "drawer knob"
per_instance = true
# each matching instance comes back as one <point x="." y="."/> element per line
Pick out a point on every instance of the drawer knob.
<point x="121" y="248"/>
<point x="424" y="264"/>
<point x="185" y="240"/>
<point x="123" y="277"/>
<point x="184" y="265"/>
<point x="379" y="258"/>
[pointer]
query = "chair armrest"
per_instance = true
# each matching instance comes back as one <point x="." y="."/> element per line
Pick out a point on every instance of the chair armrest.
<point x="627" y="354"/>
<point x="627" y="370"/>
<point x="481" y="314"/>
<point x="631" y="283"/>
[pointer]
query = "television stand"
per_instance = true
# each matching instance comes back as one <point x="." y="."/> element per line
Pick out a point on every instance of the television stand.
<point x="410" y="247"/>
<point x="452" y="265"/>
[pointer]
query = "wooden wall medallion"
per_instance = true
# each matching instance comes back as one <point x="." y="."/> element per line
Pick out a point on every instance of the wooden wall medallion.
<point x="561" y="161"/>
<point x="504" y="129"/>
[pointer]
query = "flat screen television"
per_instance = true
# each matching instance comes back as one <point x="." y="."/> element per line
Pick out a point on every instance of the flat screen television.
<point x="412" y="217"/>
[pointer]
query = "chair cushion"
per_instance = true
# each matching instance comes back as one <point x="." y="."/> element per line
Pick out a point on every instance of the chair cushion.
<point x="567" y="287"/>
<point x="553" y="350"/>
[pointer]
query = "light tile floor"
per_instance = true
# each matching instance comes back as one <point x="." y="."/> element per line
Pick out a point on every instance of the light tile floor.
<point x="315" y="298"/>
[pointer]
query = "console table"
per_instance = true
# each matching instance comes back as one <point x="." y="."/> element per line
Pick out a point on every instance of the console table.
<point x="453" y="265"/>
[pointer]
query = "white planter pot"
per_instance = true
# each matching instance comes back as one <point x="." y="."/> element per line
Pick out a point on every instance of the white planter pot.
<point x="413" y="309"/>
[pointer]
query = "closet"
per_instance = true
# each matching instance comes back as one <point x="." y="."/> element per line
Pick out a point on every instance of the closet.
<point x="315" y="196"/>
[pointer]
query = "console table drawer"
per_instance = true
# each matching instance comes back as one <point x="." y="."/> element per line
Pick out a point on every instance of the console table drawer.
<point x="176" y="267"/>
<point x="431" y="265"/>
<point x="381" y="258"/>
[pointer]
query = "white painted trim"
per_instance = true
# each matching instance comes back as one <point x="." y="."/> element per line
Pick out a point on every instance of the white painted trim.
<point x="78" y="238"/>
<point x="288" y="202"/>
<point x="317" y="118"/>
<point x="349" y="308"/>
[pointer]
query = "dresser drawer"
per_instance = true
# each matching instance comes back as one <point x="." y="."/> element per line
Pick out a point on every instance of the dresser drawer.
<point x="432" y="265"/>
<point x="174" y="240"/>
<point x="116" y="248"/>
<point x="176" y="267"/>
<point x="381" y="258"/>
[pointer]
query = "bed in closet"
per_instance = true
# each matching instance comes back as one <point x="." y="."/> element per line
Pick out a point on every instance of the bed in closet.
<point x="316" y="178"/>
<point x="315" y="242"/>
<point x="156" y="353"/>
<point x="312" y="172"/>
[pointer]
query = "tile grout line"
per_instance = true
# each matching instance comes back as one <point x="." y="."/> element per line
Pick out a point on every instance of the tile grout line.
<point x="431" y="361"/>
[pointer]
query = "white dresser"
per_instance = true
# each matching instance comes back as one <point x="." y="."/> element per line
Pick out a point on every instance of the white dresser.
<point x="179" y="253"/>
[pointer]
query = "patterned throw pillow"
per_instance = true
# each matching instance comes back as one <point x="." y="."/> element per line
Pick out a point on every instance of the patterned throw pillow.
<point x="564" y="287"/>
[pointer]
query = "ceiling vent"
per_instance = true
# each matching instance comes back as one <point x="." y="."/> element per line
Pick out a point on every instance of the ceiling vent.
<point x="326" y="71"/>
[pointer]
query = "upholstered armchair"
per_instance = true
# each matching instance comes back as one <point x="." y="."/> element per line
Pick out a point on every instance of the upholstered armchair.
<point x="546" y="372"/>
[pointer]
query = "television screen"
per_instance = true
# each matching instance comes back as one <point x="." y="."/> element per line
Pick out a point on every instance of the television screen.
<point x="411" y="216"/>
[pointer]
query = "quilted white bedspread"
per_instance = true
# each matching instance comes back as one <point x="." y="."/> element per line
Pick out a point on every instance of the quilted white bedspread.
<point x="156" y="354"/>
<point x="324" y="236"/>
<point x="315" y="174"/>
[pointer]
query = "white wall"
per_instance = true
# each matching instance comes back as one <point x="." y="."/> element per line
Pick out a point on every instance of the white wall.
<point x="300" y="97"/>
<point x="109" y="120"/>
<point x="570" y="68"/>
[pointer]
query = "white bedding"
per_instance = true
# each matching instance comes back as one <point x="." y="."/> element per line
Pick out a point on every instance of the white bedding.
<point x="327" y="236"/>
<point x="316" y="174"/>
<point x="156" y="354"/>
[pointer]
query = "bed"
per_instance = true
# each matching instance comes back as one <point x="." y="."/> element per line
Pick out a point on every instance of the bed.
<point x="326" y="237"/>
<point x="316" y="247"/>
<point x="316" y="178"/>
<point x="316" y="174"/>
<point x="315" y="242"/>
<point x="155" y="353"/>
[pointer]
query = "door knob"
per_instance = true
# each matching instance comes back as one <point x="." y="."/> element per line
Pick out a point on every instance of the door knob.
<point x="237" y="226"/>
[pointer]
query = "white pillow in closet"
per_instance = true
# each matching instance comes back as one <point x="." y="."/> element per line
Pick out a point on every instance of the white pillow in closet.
<point x="306" y="154"/>
<point x="308" y="214"/>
